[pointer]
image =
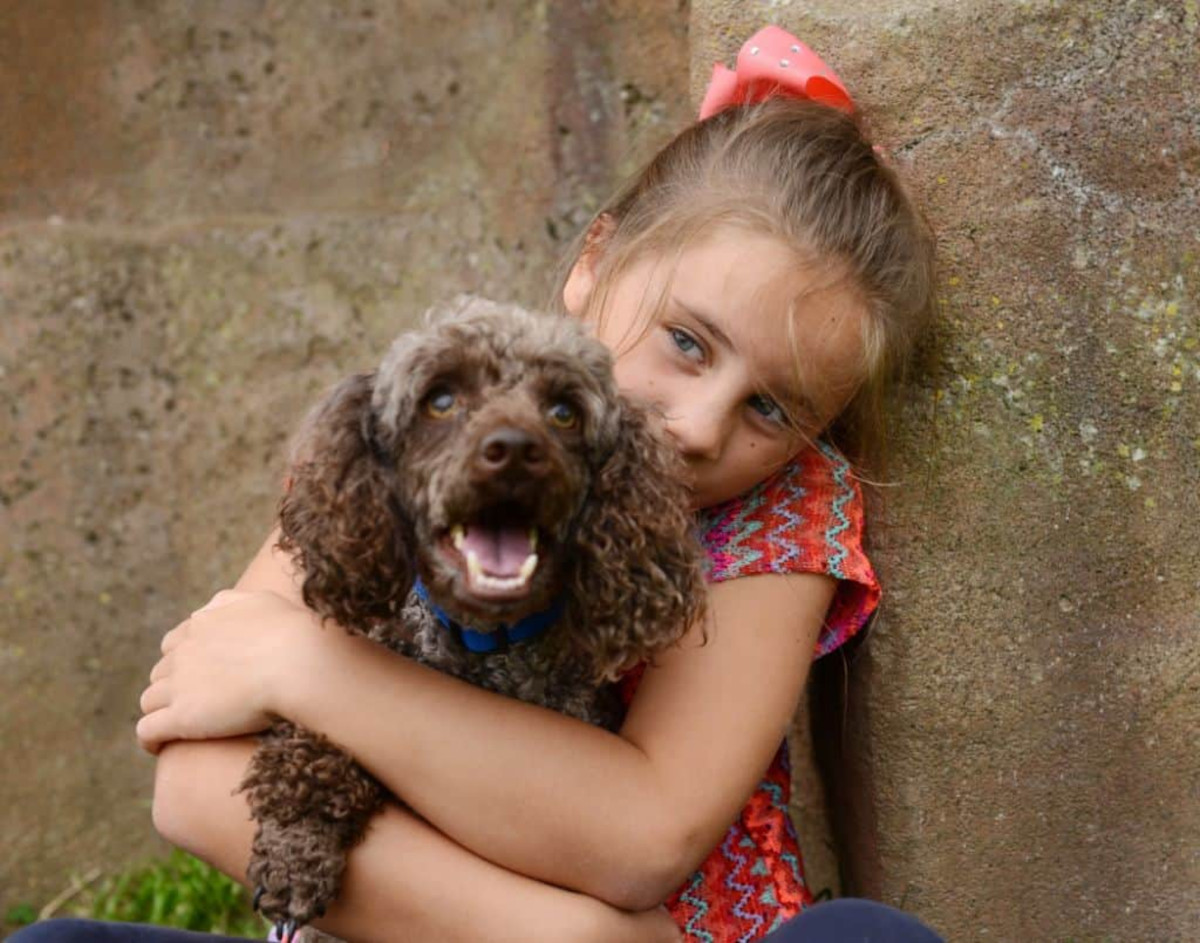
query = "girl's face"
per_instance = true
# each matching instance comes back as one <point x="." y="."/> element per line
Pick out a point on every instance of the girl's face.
<point x="720" y="360"/>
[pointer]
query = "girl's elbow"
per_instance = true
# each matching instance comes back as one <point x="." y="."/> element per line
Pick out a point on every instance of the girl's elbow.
<point x="651" y="872"/>
<point x="638" y="892"/>
<point x="166" y="805"/>
<point x="174" y="806"/>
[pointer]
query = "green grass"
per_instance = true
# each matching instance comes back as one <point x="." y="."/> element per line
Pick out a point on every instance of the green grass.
<point x="20" y="915"/>
<point x="181" y="891"/>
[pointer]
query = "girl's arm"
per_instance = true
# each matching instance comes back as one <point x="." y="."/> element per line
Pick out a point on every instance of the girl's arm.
<point x="405" y="882"/>
<point x="622" y="818"/>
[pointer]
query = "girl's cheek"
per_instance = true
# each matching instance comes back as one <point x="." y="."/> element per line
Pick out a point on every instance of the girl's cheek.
<point x="639" y="373"/>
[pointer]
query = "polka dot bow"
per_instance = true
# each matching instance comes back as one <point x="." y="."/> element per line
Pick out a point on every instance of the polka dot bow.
<point x="771" y="61"/>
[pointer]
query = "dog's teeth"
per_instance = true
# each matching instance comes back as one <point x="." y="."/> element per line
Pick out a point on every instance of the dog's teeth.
<point x="499" y="582"/>
<point x="478" y="578"/>
<point x="533" y="538"/>
<point x="457" y="536"/>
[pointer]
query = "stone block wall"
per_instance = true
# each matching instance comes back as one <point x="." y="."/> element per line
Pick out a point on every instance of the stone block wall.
<point x="210" y="211"/>
<point x="1021" y="756"/>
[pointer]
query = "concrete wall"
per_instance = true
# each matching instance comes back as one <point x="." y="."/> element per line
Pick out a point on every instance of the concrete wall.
<point x="1022" y="761"/>
<point x="208" y="211"/>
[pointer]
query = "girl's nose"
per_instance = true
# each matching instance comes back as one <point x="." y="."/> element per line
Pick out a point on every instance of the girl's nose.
<point x="698" y="431"/>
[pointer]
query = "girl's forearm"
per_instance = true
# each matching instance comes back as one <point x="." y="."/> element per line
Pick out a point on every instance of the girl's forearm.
<point x="566" y="803"/>
<point x="405" y="881"/>
<point x="534" y="791"/>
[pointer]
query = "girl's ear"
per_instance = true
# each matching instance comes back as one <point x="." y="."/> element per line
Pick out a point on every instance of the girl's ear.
<point x="339" y="518"/>
<point x="637" y="581"/>
<point x="579" y="285"/>
<point x="582" y="279"/>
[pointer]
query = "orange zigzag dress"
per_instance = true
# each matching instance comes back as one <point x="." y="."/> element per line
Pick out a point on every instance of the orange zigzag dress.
<point x="808" y="518"/>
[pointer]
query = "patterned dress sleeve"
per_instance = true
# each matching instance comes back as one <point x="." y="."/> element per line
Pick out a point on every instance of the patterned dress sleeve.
<point x="808" y="518"/>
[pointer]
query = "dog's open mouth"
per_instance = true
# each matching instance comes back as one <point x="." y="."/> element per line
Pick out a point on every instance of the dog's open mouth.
<point x="496" y="554"/>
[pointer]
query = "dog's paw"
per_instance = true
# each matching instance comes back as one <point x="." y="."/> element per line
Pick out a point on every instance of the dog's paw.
<point x="288" y="932"/>
<point x="296" y="874"/>
<point x="290" y="898"/>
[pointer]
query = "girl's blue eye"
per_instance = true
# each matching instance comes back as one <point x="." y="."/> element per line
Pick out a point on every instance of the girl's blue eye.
<point x="687" y="344"/>
<point x="768" y="409"/>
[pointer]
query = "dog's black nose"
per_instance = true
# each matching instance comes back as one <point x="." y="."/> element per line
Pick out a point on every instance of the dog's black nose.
<point x="511" y="450"/>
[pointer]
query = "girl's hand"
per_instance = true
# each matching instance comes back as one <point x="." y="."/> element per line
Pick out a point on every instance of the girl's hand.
<point x="220" y="668"/>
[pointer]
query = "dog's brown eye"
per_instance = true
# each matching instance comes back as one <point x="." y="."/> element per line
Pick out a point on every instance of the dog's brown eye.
<point x="440" y="403"/>
<point x="563" y="415"/>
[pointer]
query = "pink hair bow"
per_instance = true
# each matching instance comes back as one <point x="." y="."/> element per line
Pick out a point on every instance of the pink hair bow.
<point x="773" y="60"/>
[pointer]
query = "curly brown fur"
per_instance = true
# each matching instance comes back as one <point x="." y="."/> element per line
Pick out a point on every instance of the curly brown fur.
<point x="633" y="575"/>
<point x="353" y="548"/>
<point x="383" y="476"/>
<point x="319" y="802"/>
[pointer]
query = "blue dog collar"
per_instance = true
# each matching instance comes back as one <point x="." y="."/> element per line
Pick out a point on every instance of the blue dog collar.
<point x="488" y="642"/>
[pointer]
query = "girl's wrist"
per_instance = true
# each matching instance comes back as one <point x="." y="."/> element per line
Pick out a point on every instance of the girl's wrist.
<point x="292" y="665"/>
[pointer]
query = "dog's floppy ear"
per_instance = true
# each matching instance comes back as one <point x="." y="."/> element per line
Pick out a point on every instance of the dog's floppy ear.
<point x="637" y="582"/>
<point x="338" y="516"/>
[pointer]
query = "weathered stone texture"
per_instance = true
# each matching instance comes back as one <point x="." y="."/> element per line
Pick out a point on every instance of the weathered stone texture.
<point x="1023" y="750"/>
<point x="209" y="212"/>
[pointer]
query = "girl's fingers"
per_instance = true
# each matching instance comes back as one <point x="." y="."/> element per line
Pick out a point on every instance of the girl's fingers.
<point x="161" y="668"/>
<point x="153" y="698"/>
<point x="174" y="637"/>
<point x="221" y="598"/>
<point x="150" y="730"/>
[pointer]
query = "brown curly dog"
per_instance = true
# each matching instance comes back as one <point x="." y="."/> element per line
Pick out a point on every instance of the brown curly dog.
<point x="487" y="504"/>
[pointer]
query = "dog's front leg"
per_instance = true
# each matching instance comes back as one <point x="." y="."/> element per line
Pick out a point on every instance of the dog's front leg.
<point x="312" y="803"/>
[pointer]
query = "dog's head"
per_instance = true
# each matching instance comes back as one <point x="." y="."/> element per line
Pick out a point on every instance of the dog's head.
<point x="492" y="456"/>
<point x="494" y="422"/>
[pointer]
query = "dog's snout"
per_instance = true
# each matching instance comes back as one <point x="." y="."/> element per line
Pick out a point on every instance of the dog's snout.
<point x="512" y="450"/>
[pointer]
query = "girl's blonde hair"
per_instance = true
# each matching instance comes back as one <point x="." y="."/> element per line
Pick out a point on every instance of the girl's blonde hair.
<point x="804" y="173"/>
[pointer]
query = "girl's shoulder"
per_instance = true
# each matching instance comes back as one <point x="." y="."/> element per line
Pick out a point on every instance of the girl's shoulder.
<point x="807" y="518"/>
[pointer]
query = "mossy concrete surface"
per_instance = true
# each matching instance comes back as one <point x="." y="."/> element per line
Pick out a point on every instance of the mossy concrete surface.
<point x="1024" y="747"/>
<point x="208" y="214"/>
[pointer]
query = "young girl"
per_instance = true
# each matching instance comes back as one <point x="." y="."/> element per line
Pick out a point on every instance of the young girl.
<point x="759" y="282"/>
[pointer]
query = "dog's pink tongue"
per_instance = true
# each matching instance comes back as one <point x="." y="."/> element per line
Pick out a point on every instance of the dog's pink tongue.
<point x="500" y="550"/>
